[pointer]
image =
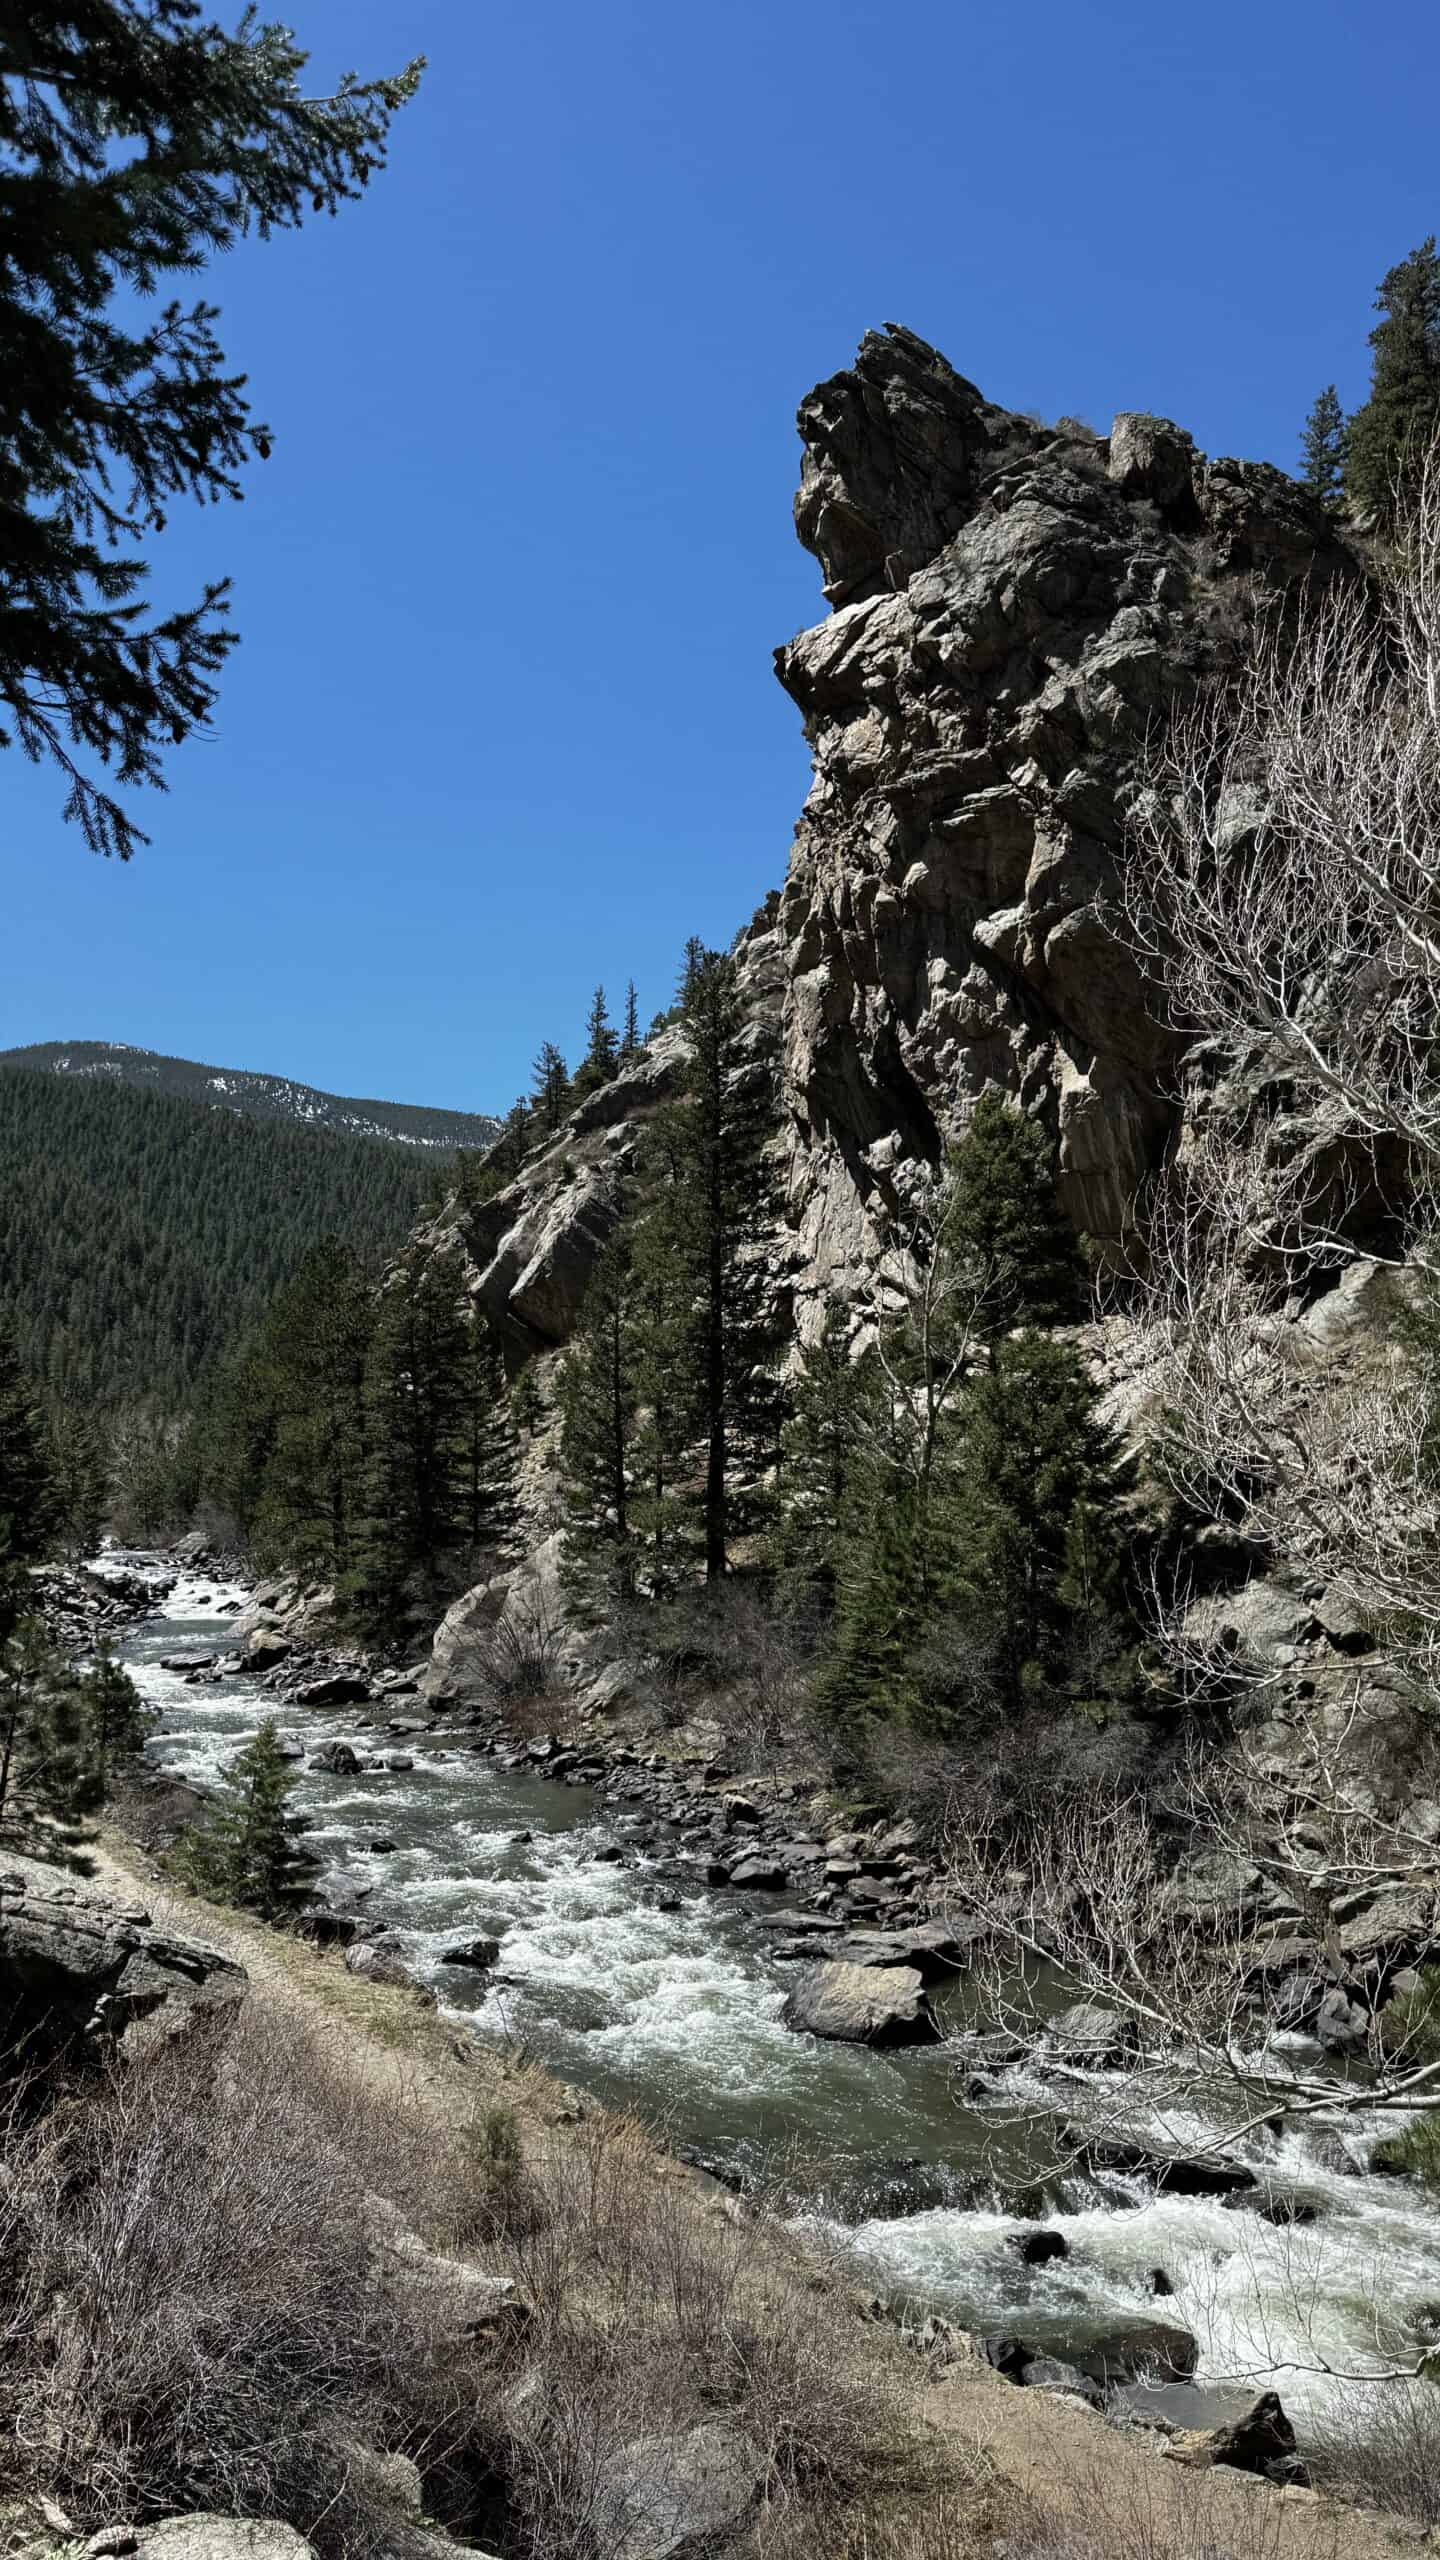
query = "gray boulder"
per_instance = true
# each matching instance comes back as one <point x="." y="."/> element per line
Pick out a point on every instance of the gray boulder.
<point x="216" y="2538"/>
<point x="341" y="1759"/>
<point x="670" y="2496"/>
<point x="333" y="1689"/>
<point x="76" y="1962"/>
<point x="264" y="1647"/>
<point x="1090" y="2033"/>
<point x="478" y="1953"/>
<point x="861" y="2004"/>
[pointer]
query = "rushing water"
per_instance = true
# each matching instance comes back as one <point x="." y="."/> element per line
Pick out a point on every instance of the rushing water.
<point x="673" y="2007"/>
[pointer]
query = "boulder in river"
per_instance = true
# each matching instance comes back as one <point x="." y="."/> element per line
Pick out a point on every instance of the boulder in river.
<point x="1174" y="2173"/>
<point x="478" y="1953"/>
<point x="1092" y="2034"/>
<point x="1136" y="2350"/>
<point x="340" y="1758"/>
<point x="861" y="2004"/>
<point x="759" y="1875"/>
<point x="333" y="1689"/>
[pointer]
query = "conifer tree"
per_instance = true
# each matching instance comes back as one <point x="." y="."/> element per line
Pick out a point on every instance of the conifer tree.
<point x="1011" y="1253"/>
<point x="29" y="1512"/>
<point x="316" y="1347"/>
<point x="139" y="140"/>
<point x="825" y="1447"/>
<point x="550" y="1092"/>
<point x="1035" y="1522"/>
<point x="706" y="1180"/>
<point x="599" y="1400"/>
<point x="80" y="1466"/>
<point x="249" y="1852"/>
<point x="602" y="1049"/>
<point x="630" y="1036"/>
<point x="527" y="1410"/>
<point x="1322" y="448"/>
<point x="115" y="1723"/>
<point x="1388" y="438"/>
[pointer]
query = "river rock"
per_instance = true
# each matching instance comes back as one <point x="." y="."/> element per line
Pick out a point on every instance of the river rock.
<point x="478" y="1953"/>
<point x="759" y="1875"/>
<point x="339" y="1758"/>
<point x="861" y="2004"/>
<point x="1171" y="2172"/>
<point x="933" y="1950"/>
<point x="1038" y="2248"/>
<point x="378" y="1960"/>
<point x="1090" y="2033"/>
<point x="667" y="2497"/>
<point x="266" y="1646"/>
<point x="1261" y="2439"/>
<point x="333" y="1689"/>
<point x="1050" y="2373"/>
<point x="1135" y="2349"/>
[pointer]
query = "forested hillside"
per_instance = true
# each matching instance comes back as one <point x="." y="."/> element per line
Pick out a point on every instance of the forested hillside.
<point x="139" y="1235"/>
<point x="255" y="1096"/>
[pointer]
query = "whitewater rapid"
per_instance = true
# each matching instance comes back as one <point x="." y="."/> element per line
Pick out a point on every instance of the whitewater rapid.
<point x="669" y="2002"/>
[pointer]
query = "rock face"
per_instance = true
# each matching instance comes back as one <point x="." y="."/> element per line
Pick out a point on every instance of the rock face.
<point x="1013" y="605"/>
<point x="77" y="1963"/>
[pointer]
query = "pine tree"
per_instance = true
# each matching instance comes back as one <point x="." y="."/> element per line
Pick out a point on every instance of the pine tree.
<point x="43" y="1725"/>
<point x="1035" y="1524"/>
<point x="1011" y="1253"/>
<point x="314" y="1363"/>
<point x="29" y="1510"/>
<point x="527" y="1410"/>
<point x="1387" y="440"/>
<point x="602" y="1049"/>
<point x="248" y="1852"/>
<point x="599" y="1400"/>
<point x="115" y="1723"/>
<point x="708" y="1192"/>
<point x="630" y="1036"/>
<point x="1322" y="448"/>
<point x="550" y="1093"/>
<point x="139" y="140"/>
<point x="825" y="1446"/>
<point x="80" y="1465"/>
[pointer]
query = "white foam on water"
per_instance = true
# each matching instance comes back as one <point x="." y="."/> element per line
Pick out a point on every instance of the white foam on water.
<point x="682" y="2009"/>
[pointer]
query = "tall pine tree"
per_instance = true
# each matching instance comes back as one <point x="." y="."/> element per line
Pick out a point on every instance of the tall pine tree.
<point x="1322" y="448"/>
<point x="1388" y="439"/>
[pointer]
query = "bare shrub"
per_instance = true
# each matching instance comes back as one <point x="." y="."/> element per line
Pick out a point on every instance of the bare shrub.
<point x="1383" y="2450"/>
<point x="192" y="2315"/>
<point x="728" y="1651"/>
<point x="521" y="1660"/>
<point x="652" y="2316"/>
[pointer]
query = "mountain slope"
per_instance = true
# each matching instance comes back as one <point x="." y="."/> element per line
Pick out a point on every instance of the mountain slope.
<point x="255" y="1096"/>
<point x="140" y="1233"/>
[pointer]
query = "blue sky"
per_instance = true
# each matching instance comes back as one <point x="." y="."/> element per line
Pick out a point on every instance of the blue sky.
<point x="504" y="722"/>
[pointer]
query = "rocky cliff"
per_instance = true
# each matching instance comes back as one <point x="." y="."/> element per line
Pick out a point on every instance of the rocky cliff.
<point x="1013" y="605"/>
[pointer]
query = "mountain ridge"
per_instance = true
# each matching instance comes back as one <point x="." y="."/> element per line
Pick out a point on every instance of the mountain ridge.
<point x="255" y="1094"/>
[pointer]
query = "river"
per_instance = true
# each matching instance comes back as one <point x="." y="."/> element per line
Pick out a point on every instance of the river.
<point x="671" y="2005"/>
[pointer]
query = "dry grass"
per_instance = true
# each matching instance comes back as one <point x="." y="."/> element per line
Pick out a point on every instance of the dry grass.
<point x="192" y="2316"/>
<point x="655" y="2314"/>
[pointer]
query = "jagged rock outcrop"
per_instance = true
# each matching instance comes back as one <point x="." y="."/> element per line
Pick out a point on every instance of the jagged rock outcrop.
<point x="1014" y="606"/>
<point x="76" y="1964"/>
